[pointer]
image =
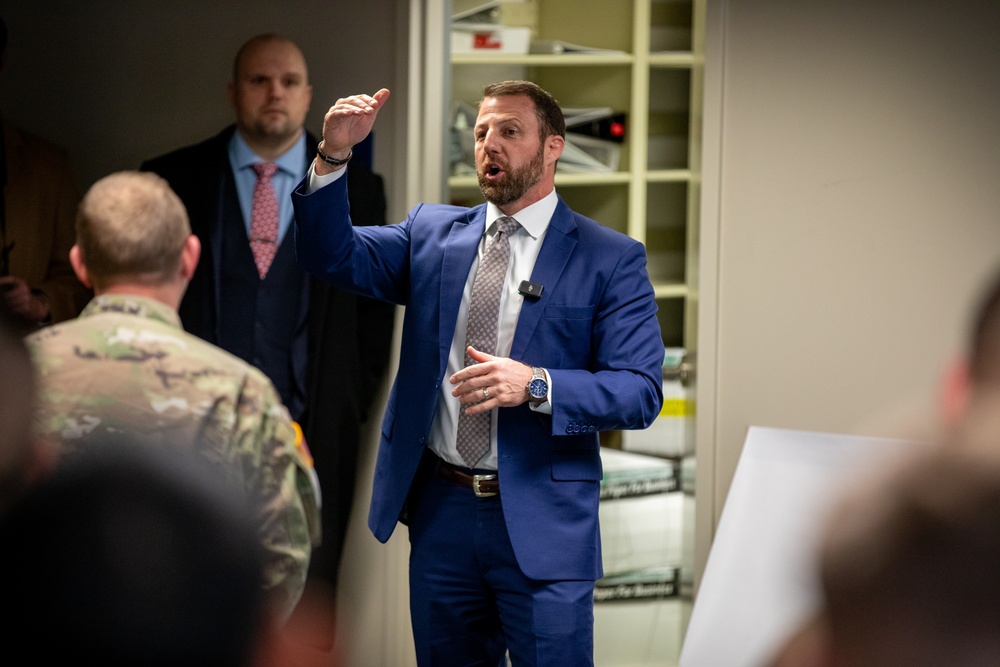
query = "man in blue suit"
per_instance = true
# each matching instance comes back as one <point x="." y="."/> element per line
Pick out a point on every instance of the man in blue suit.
<point x="505" y="544"/>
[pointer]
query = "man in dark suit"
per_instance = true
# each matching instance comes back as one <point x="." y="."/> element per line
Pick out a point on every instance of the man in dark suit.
<point x="529" y="328"/>
<point x="325" y="350"/>
<point x="38" y="199"/>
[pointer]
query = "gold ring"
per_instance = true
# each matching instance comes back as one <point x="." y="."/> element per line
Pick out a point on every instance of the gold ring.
<point x="486" y="392"/>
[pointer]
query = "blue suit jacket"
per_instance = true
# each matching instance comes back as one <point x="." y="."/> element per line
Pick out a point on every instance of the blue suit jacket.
<point x="594" y="329"/>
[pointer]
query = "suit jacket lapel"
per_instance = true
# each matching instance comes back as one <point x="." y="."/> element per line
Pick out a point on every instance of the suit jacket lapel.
<point x="459" y="252"/>
<point x="560" y="240"/>
<point x="226" y="205"/>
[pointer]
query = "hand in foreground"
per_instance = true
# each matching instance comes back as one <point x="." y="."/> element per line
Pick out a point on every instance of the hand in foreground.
<point x="347" y="123"/>
<point x="503" y="379"/>
<point x="22" y="300"/>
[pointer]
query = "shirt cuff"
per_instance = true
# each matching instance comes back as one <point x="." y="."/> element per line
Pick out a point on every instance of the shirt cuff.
<point x="315" y="181"/>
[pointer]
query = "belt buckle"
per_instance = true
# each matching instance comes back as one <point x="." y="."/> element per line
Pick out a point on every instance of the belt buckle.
<point x="477" y="479"/>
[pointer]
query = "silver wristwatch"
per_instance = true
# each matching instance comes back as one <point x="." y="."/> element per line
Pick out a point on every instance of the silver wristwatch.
<point x="538" y="387"/>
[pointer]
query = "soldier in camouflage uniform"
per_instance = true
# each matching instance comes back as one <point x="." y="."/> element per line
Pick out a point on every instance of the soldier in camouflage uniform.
<point x="126" y="367"/>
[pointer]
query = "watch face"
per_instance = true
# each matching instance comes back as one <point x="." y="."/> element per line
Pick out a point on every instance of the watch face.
<point x="538" y="388"/>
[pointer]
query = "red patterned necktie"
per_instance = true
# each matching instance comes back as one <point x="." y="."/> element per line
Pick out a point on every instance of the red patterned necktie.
<point x="473" y="439"/>
<point x="264" y="218"/>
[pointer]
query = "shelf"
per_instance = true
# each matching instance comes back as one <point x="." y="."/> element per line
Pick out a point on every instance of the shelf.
<point x="678" y="59"/>
<point x="670" y="290"/>
<point x="669" y="176"/>
<point x="664" y="60"/>
<point x="545" y="59"/>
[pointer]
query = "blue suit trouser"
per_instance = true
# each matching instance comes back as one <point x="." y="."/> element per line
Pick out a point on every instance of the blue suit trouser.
<point x="469" y="601"/>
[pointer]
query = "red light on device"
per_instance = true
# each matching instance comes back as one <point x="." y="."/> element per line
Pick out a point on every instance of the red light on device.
<point x="617" y="129"/>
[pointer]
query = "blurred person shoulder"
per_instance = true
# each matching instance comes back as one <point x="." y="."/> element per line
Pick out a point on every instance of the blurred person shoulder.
<point x="31" y="151"/>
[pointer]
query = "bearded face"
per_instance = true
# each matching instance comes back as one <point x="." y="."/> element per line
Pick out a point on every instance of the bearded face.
<point x="505" y="184"/>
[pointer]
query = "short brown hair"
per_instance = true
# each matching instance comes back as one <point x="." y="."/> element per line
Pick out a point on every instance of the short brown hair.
<point x="547" y="110"/>
<point x="131" y="225"/>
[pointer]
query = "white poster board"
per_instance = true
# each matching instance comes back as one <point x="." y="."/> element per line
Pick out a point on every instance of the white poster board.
<point x="759" y="583"/>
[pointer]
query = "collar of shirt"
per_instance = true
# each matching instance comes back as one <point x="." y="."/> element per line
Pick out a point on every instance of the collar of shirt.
<point x="291" y="167"/>
<point x="534" y="219"/>
<point x="132" y="304"/>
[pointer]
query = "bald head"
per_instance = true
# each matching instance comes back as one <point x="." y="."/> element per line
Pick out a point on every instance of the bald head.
<point x="264" y="42"/>
<point x="270" y="94"/>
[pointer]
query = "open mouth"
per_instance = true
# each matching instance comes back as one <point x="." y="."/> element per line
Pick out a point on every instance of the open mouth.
<point x="493" y="171"/>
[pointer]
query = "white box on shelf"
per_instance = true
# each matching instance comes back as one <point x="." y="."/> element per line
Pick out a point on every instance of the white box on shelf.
<point x="485" y="38"/>
<point x="641" y="512"/>
<point x="672" y="432"/>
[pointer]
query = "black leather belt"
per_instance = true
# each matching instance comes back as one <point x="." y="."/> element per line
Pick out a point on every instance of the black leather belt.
<point x="483" y="486"/>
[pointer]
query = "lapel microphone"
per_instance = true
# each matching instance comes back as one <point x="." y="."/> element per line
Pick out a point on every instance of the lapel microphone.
<point x="530" y="290"/>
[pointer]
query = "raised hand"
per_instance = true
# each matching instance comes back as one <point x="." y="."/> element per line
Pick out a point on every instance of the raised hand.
<point x="347" y="123"/>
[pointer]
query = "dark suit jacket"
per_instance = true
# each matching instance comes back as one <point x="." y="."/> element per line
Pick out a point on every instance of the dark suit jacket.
<point x="40" y="201"/>
<point x="348" y="341"/>
<point x="594" y="329"/>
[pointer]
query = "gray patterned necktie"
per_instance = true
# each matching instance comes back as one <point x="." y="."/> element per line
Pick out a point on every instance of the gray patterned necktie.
<point x="473" y="439"/>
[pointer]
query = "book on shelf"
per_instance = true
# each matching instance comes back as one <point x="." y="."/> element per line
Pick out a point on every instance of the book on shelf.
<point x="580" y="115"/>
<point x="587" y="154"/>
<point x="482" y="11"/>
<point x="584" y="151"/>
<point x="558" y="47"/>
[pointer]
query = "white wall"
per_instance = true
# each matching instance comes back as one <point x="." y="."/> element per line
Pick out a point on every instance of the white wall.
<point x="851" y="210"/>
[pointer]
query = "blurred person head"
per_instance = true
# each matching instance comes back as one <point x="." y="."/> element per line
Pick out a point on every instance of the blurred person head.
<point x="978" y="373"/>
<point x="910" y="564"/>
<point x="270" y="93"/>
<point x="133" y="236"/>
<point x="132" y="555"/>
<point x="23" y="457"/>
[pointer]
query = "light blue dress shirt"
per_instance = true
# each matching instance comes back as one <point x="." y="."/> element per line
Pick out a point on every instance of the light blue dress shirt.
<point x="291" y="168"/>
